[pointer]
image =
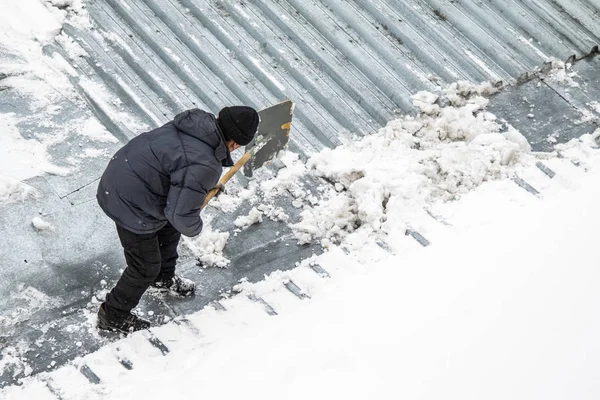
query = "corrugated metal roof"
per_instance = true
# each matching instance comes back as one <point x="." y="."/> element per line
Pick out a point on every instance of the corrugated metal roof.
<point x="349" y="65"/>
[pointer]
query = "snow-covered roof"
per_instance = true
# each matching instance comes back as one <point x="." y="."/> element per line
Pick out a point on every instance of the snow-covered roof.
<point x="349" y="65"/>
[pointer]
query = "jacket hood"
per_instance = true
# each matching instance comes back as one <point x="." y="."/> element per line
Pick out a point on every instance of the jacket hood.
<point x="203" y="126"/>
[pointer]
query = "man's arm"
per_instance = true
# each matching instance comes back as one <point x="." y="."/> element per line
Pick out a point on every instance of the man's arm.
<point x="189" y="187"/>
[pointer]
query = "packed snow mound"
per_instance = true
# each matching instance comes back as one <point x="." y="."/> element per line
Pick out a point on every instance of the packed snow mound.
<point x="208" y="247"/>
<point x="438" y="155"/>
<point x="254" y="217"/>
<point x="26" y="22"/>
<point x="581" y="150"/>
<point x="16" y="18"/>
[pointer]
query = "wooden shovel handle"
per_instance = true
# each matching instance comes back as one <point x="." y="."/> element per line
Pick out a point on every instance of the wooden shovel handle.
<point x="213" y="192"/>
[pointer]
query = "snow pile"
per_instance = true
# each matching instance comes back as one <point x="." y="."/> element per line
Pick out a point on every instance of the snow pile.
<point x="26" y="20"/>
<point x="271" y="283"/>
<point x="378" y="182"/>
<point x="254" y="217"/>
<point x="28" y="24"/>
<point x="208" y="247"/>
<point x="580" y="150"/>
<point x="288" y="179"/>
<point x="273" y="213"/>
<point x="457" y="93"/>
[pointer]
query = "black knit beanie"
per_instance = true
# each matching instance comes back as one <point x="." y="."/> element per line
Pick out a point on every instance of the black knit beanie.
<point x="238" y="123"/>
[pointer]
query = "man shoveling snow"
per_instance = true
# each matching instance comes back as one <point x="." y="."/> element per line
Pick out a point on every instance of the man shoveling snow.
<point x="154" y="188"/>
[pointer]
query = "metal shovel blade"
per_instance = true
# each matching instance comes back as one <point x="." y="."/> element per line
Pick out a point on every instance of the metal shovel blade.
<point x="273" y="135"/>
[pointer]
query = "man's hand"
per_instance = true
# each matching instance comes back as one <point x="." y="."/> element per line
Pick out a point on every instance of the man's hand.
<point x="221" y="188"/>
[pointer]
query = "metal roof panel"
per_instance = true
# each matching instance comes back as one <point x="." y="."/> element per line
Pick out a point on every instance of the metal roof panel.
<point x="349" y="65"/>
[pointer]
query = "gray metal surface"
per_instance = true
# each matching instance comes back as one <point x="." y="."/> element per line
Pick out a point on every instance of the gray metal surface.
<point x="567" y="111"/>
<point x="349" y="65"/>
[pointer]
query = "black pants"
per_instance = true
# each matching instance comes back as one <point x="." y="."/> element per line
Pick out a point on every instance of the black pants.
<point x="150" y="257"/>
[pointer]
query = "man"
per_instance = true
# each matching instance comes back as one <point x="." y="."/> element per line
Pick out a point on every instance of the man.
<point x="154" y="188"/>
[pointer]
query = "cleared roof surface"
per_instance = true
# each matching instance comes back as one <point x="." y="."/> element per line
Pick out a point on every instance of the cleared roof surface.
<point x="349" y="65"/>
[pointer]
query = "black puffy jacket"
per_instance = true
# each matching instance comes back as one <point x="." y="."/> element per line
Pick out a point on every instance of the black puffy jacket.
<point x="164" y="175"/>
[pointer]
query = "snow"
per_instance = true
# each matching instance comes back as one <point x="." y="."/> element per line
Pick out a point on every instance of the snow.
<point x="494" y="310"/>
<point x="497" y="307"/>
<point x="500" y="305"/>
<point x="580" y="150"/>
<point x="379" y="182"/>
<point x="233" y="198"/>
<point x="29" y="24"/>
<point x="254" y="217"/>
<point x="26" y="19"/>
<point x="424" y="101"/>
<point x="208" y="247"/>
<point x="20" y="159"/>
<point x="93" y="153"/>
<point x="12" y="190"/>
<point x="94" y="130"/>
<point x="273" y="213"/>
<point x="26" y="26"/>
<point x="562" y="73"/>
<point x="41" y="225"/>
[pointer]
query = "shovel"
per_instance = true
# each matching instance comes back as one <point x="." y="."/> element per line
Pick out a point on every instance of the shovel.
<point x="273" y="136"/>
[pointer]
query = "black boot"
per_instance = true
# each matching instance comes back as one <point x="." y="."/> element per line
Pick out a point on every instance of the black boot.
<point x="124" y="323"/>
<point x="176" y="284"/>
